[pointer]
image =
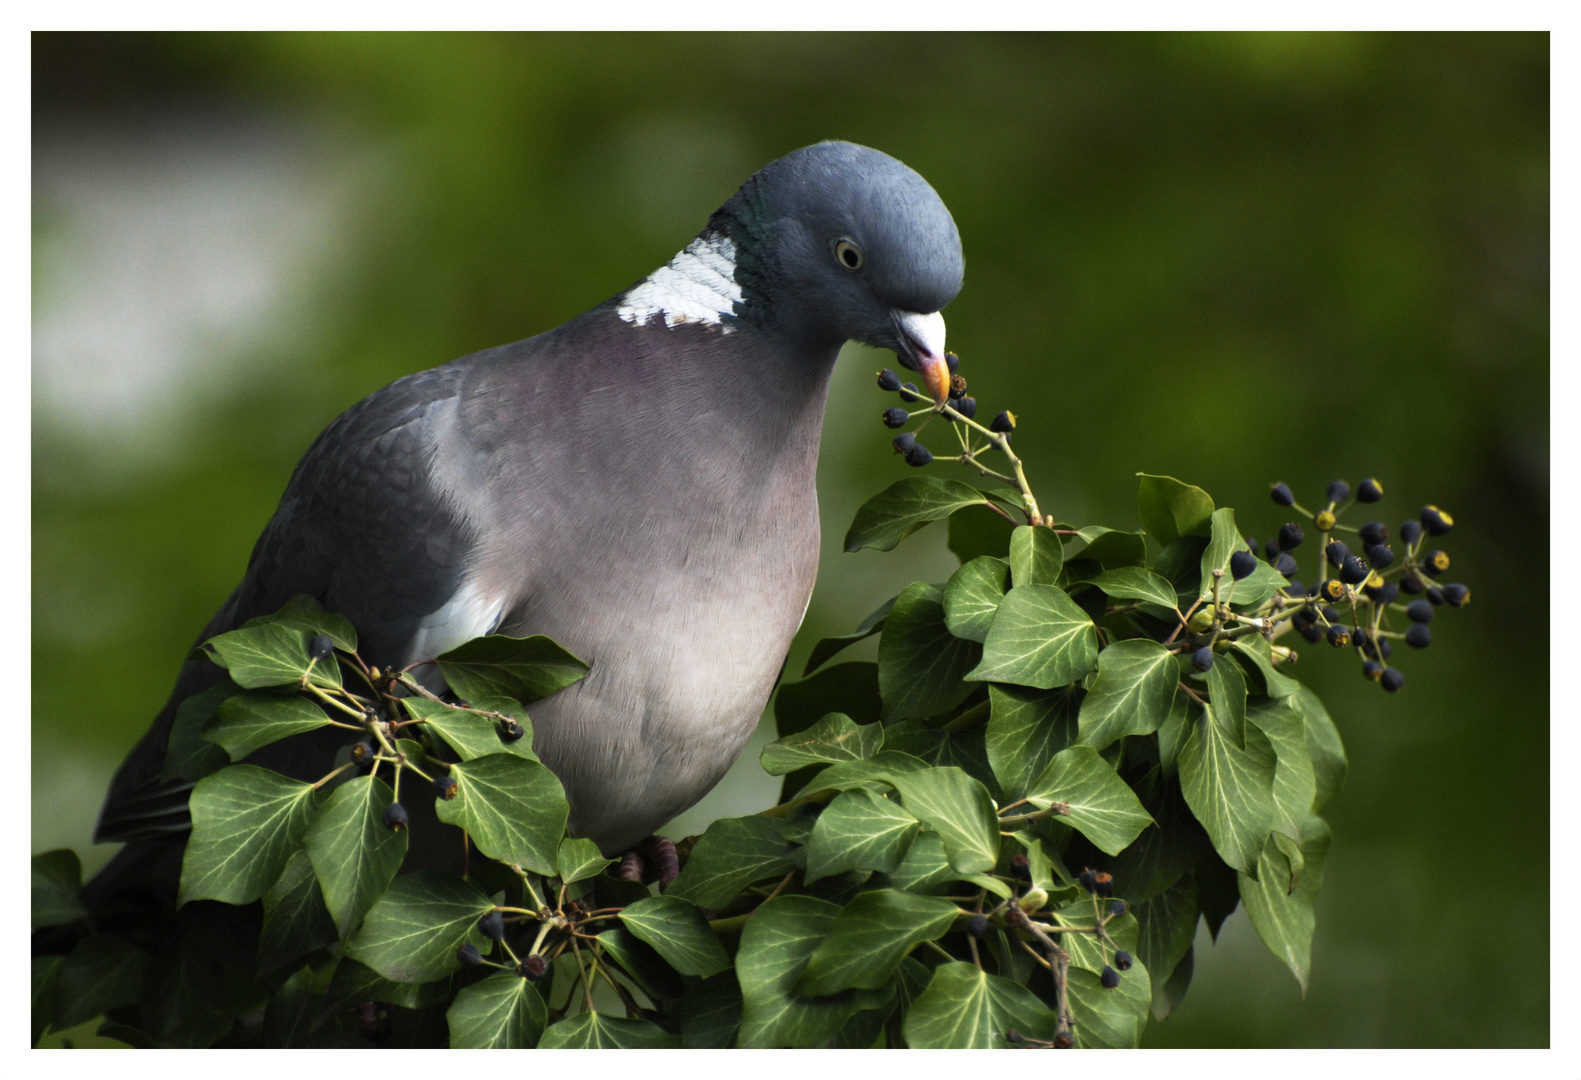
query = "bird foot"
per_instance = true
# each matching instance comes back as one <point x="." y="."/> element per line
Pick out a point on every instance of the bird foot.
<point x="656" y="853"/>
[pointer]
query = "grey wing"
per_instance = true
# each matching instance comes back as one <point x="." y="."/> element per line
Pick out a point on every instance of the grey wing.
<point x="361" y="528"/>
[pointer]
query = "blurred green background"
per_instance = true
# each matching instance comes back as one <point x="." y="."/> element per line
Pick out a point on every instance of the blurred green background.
<point x="1234" y="259"/>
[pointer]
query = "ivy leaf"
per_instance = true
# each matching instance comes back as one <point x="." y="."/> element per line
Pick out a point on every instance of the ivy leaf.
<point x="1102" y="807"/>
<point x="966" y="749"/>
<point x="677" y="932"/>
<point x="1295" y="784"/>
<point x="1109" y="1018"/>
<point x="732" y="854"/>
<point x="525" y="669"/>
<point x="295" y="920"/>
<point x="1256" y="657"/>
<point x="354" y="983"/>
<point x="643" y="967"/>
<point x="1109" y="548"/>
<point x="965" y="1008"/>
<point x="189" y="755"/>
<point x="869" y="938"/>
<point x="711" y="1013"/>
<point x="103" y="972"/>
<point x="906" y="506"/>
<point x="959" y="809"/>
<point x="924" y="868"/>
<point x="1036" y="556"/>
<point x="353" y="854"/>
<point x="246" y="822"/>
<point x="1251" y="592"/>
<point x="1166" y="925"/>
<point x="1039" y="638"/>
<point x="1224" y="540"/>
<point x="302" y="612"/>
<point x="972" y="595"/>
<point x="1284" y="921"/>
<point x="776" y="944"/>
<point x="1170" y="509"/>
<point x="580" y="859"/>
<point x="1132" y="694"/>
<point x="874" y="773"/>
<point x="45" y="975"/>
<point x="859" y="830"/>
<point x="514" y="810"/>
<point x="1136" y="583"/>
<point x="503" y="1012"/>
<point x="595" y="1031"/>
<point x="470" y="734"/>
<point x="1329" y="763"/>
<point x="255" y="719"/>
<point x="850" y="688"/>
<point x="1227" y="692"/>
<point x="289" y="1016"/>
<point x="1026" y="728"/>
<point x="415" y="928"/>
<point x="978" y="531"/>
<point x="57" y="888"/>
<point x="920" y="663"/>
<point x="830" y="647"/>
<point x="1229" y="789"/>
<point x="270" y="654"/>
<point x="1172" y="735"/>
<point x="1168" y="994"/>
<point x="834" y="738"/>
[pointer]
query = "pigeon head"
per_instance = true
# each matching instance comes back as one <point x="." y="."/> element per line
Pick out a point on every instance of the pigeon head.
<point x="839" y="242"/>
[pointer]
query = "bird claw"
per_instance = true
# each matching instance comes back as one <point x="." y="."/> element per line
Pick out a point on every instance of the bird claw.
<point x="655" y="851"/>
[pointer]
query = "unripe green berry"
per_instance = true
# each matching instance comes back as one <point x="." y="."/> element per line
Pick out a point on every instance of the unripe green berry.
<point x="1323" y="520"/>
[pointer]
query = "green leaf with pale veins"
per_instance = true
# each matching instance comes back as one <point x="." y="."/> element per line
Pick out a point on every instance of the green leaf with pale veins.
<point x="525" y="669"/>
<point x="972" y="596"/>
<point x="257" y="718"/>
<point x="302" y="612"/>
<point x="470" y="734"/>
<point x="859" y="830"/>
<point x="1109" y="548"/>
<point x="1229" y="789"/>
<point x="906" y="506"/>
<point x="1111" y="1019"/>
<point x="595" y="1031"/>
<point x="643" y="967"/>
<point x="1132" y="694"/>
<point x="1224" y="540"/>
<point x="1170" y="509"/>
<point x="1101" y="806"/>
<point x="1026" y="728"/>
<point x="776" y="944"/>
<point x="711" y="1013"/>
<point x="732" y="854"/>
<point x="874" y="774"/>
<point x="834" y="738"/>
<point x="189" y="755"/>
<point x="580" y="859"/>
<point x="103" y="972"/>
<point x="830" y="647"/>
<point x="514" y="810"/>
<point x="964" y="1008"/>
<point x="57" y="888"/>
<point x="959" y="809"/>
<point x="413" y="932"/>
<point x="1255" y="655"/>
<point x="870" y="937"/>
<point x="1039" y="638"/>
<point x="1167" y="924"/>
<point x="1251" y="592"/>
<point x="1284" y="921"/>
<point x="1136" y="583"/>
<point x="354" y="855"/>
<point x="1295" y="785"/>
<point x="45" y="974"/>
<point x="1036" y="555"/>
<point x="503" y="1012"/>
<point x="677" y="932"/>
<point x="246" y="822"/>
<point x="920" y="663"/>
<point x="924" y="868"/>
<point x="295" y="920"/>
<point x="1329" y="763"/>
<point x="978" y="530"/>
<point x="1172" y="735"/>
<point x="1227" y="692"/>
<point x="270" y="654"/>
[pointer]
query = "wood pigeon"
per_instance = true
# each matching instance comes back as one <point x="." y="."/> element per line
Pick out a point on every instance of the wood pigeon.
<point x="637" y="483"/>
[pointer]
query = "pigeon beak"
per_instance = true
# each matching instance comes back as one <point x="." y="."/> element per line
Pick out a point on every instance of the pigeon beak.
<point x="922" y="349"/>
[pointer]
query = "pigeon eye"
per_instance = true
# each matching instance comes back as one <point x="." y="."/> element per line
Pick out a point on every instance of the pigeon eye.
<point x="849" y="254"/>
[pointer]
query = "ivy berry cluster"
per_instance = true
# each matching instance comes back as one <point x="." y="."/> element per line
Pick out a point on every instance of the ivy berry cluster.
<point x="1357" y="598"/>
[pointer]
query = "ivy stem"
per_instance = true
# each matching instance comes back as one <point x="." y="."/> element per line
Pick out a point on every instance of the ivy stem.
<point x="334" y="774"/>
<point x="1001" y="440"/>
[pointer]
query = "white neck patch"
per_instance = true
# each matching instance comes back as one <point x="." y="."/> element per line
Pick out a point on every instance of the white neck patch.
<point x="697" y="286"/>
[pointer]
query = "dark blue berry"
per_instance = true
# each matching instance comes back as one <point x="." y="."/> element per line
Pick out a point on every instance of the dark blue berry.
<point x="1021" y="866"/>
<point x="1110" y="978"/>
<point x="1286" y="564"/>
<point x="445" y="787"/>
<point x="1374" y="532"/>
<point x="1338" y="635"/>
<point x="510" y="731"/>
<point x="1435" y="595"/>
<point x="1371" y="669"/>
<point x="1386" y="595"/>
<point x="1353" y="571"/>
<point x="1435" y="563"/>
<point x="395" y="818"/>
<point x="1122" y="960"/>
<point x="1330" y="614"/>
<point x="1118" y="908"/>
<point x="1419" y="636"/>
<point x="1014" y="1036"/>
<point x="918" y="455"/>
<point x="1369" y="491"/>
<point x="534" y="967"/>
<point x="1313" y="634"/>
<point x="1380" y="555"/>
<point x="1290" y="536"/>
<point x="1003" y="422"/>
<point x="468" y="954"/>
<point x="1337" y="491"/>
<point x="1412" y="582"/>
<point x="977" y="926"/>
<point x="1103" y="884"/>
<point x="904" y="442"/>
<point x="952" y="362"/>
<point x="1392" y="679"/>
<point x="1337" y="551"/>
<point x="1385" y="650"/>
<point x="894" y="418"/>
<point x="321" y="648"/>
<point x="1280" y="493"/>
<point x="1436" y="521"/>
<point x="493" y="926"/>
<point x="888" y="380"/>
<point x="362" y="753"/>
<point x="1410" y="532"/>
<point x="1295" y="588"/>
<point x="1420" y="611"/>
<point x="1088" y="879"/>
<point x="1242" y="563"/>
<point x="1457" y="595"/>
<point x="1271" y="550"/>
<point x="911" y="387"/>
<point x="1332" y="589"/>
<point x="1202" y="659"/>
<point x="967" y="407"/>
